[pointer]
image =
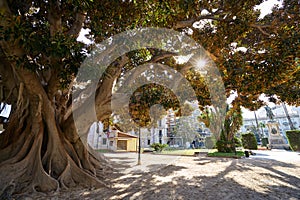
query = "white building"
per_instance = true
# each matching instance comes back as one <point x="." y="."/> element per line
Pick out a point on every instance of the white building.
<point x="112" y="139"/>
<point x="97" y="139"/>
<point x="176" y="131"/>
<point x="171" y="130"/>
<point x="279" y="116"/>
<point x="161" y="132"/>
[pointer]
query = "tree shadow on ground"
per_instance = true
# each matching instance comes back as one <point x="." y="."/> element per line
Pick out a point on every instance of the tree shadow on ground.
<point x="261" y="154"/>
<point x="237" y="179"/>
<point x="119" y="163"/>
<point x="164" y="184"/>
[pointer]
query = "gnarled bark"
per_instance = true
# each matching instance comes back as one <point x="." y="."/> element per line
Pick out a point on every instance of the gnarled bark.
<point x="37" y="153"/>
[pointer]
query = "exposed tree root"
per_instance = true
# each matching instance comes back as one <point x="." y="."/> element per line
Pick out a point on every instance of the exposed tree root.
<point x="28" y="173"/>
<point x="39" y="153"/>
<point x="42" y="159"/>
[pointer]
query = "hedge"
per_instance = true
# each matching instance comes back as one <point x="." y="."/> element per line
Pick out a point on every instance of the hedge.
<point x="294" y="139"/>
<point x="249" y="141"/>
<point x="158" y="147"/>
<point x="264" y="142"/>
<point x="228" y="146"/>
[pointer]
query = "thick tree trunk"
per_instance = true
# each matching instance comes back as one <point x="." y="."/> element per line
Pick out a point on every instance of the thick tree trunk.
<point x="40" y="150"/>
<point x="37" y="153"/>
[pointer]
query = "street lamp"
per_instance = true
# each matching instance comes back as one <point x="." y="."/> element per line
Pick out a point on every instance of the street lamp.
<point x="139" y="153"/>
<point x="139" y="150"/>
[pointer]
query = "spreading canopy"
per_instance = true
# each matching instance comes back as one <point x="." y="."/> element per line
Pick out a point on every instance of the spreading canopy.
<point x="40" y="58"/>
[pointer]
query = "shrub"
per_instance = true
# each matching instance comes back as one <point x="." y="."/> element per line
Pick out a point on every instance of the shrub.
<point x="158" y="147"/>
<point x="294" y="139"/>
<point x="225" y="146"/>
<point x="228" y="146"/>
<point x="210" y="142"/>
<point x="238" y="142"/>
<point x="249" y="141"/>
<point x="264" y="142"/>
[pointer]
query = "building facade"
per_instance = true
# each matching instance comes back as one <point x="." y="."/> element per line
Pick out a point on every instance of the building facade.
<point x="112" y="139"/>
<point x="177" y="132"/>
<point x="279" y="116"/>
<point x="160" y="133"/>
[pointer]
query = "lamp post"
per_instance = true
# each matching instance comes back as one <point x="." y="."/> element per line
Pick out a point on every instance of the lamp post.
<point x="139" y="152"/>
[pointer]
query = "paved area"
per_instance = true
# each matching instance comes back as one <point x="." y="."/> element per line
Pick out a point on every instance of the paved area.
<point x="268" y="175"/>
<point x="278" y="155"/>
<point x="127" y="162"/>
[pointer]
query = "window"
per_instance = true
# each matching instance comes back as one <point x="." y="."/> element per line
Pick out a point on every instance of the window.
<point x="148" y="142"/>
<point x="104" y="141"/>
<point x="111" y="143"/>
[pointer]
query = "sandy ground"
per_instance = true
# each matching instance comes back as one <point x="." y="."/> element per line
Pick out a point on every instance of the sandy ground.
<point x="267" y="175"/>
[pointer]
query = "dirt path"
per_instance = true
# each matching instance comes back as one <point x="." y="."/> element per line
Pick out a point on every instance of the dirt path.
<point x="172" y="177"/>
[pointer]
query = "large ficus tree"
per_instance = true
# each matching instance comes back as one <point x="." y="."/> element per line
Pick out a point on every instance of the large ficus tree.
<point x="41" y="150"/>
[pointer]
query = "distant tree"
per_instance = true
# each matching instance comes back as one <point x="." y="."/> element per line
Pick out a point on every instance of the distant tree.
<point x="233" y="122"/>
<point x="211" y="120"/>
<point x="292" y="127"/>
<point x="262" y="126"/>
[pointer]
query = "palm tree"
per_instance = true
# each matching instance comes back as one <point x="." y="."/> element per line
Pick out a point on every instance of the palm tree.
<point x="292" y="127"/>
<point x="262" y="126"/>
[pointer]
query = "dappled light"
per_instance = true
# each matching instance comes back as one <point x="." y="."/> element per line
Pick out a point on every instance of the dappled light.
<point x="87" y="85"/>
<point x="200" y="177"/>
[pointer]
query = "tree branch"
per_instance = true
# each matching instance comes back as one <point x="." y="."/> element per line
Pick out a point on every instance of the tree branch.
<point x="9" y="80"/>
<point x="162" y="56"/>
<point x="260" y="28"/>
<point x="77" y="25"/>
<point x="137" y="72"/>
<point x="84" y="111"/>
<point x="53" y="83"/>
<point x="84" y="108"/>
<point x="54" y="17"/>
<point x="190" y="22"/>
<point x="107" y="85"/>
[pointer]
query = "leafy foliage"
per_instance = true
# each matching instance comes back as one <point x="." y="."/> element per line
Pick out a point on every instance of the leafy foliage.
<point x="227" y="146"/>
<point x="294" y="139"/>
<point x="211" y="120"/>
<point x="233" y="120"/>
<point x="158" y="147"/>
<point x="253" y="72"/>
<point x="147" y="96"/>
<point x="249" y="141"/>
<point x="238" y="142"/>
<point x="265" y="142"/>
<point x="237" y="154"/>
<point x="210" y="142"/>
<point x="39" y="42"/>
